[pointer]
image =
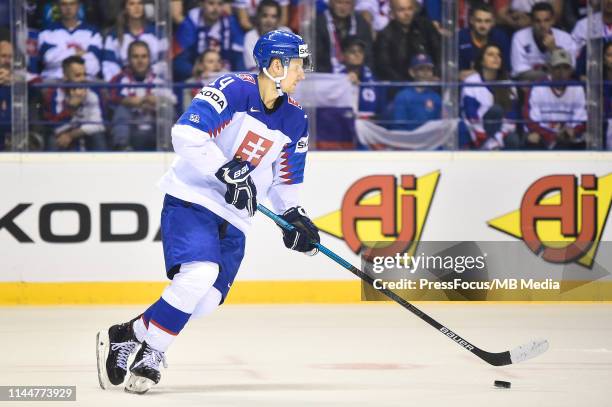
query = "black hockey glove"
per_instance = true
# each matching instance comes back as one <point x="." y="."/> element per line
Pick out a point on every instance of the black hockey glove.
<point x="241" y="191"/>
<point x="305" y="233"/>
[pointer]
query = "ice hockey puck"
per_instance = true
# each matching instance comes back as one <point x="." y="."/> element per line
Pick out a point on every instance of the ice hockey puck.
<point x="502" y="384"/>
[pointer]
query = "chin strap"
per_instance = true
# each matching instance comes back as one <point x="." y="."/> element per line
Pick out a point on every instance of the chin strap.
<point x="277" y="81"/>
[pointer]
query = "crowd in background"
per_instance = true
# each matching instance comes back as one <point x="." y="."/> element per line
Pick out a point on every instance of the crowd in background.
<point x="116" y="41"/>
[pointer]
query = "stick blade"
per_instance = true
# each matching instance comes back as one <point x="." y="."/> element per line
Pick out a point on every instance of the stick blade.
<point x="529" y="350"/>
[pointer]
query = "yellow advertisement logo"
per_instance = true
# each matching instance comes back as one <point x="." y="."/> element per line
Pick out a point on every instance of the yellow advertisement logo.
<point x="561" y="220"/>
<point x="382" y="208"/>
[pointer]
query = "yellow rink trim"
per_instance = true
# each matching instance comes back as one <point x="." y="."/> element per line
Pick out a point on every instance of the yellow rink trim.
<point x="242" y="292"/>
<point x="260" y="292"/>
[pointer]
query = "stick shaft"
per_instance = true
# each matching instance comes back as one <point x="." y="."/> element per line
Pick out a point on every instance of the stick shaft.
<point x="496" y="359"/>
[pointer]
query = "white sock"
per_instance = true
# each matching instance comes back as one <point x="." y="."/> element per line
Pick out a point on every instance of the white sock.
<point x="140" y="330"/>
<point x="185" y="291"/>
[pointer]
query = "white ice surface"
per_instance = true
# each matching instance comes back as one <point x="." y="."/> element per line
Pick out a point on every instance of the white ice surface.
<point x="312" y="355"/>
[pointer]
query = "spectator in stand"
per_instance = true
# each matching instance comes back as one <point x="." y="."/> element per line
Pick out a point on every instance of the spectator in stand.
<point x="573" y="11"/>
<point x="517" y="14"/>
<point x="207" y="68"/>
<point x="532" y="46"/>
<point x="67" y="37"/>
<point x="602" y="26"/>
<point x="136" y="107"/>
<point x="607" y="94"/>
<point x="130" y="26"/>
<point x="482" y="31"/>
<point x="406" y="36"/>
<point x="375" y="12"/>
<point x="206" y="27"/>
<point x="602" y="22"/>
<point x="76" y="112"/>
<point x="33" y="57"/>
<point x="489" y="113"/>
<point x="43" y="13"/>
<point x="178" y="7"/>
<point x="416" y="105"/>
<point x="360" y="74"/>
<point x="246" y="12"/>
<point x="556" y="115"/>
<point x="266" y="20"/>
<point x="333" y="27"/>
<point x="6" y="78"/>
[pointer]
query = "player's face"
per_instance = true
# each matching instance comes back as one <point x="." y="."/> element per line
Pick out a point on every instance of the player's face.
<point x="139" y="60"/>
<point x="69" y="9"/>
<point x="212" y="9"/>
<point x="295" y="74"/>
<point x="354" y="55"/>
<point x="211" y="62"/>
<point x="268" y="20"/>
<point x="492" y="58"/>
<point x="342" y="8"/>
<point x="75" y="73"/>
<point x="6" y="54"/>
<point x="542" y="22"/>
<point x="403" y="11"/>
<point x="134" y="9"/>
<point x="482" y="22"/>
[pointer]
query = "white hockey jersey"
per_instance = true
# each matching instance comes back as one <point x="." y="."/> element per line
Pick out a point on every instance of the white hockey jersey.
<point x="115" y="53"/>
<point x="599" y="30"/>
<point x="526" y="55"/>
<point x="475" y="102"/>
<point x="227" y="119"/>
<point x="548" y="110"/>
<point x="57" y="43"/>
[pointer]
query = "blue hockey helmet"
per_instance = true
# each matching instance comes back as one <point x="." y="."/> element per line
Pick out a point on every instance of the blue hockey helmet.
<point x="282" y="45"/>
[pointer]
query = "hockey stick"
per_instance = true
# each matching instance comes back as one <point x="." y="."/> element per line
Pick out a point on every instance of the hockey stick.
<point x="516" y="355"/>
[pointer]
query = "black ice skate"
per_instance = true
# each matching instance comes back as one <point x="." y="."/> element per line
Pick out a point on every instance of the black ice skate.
<point x="113" y="348"/>
<point x="145" y="370"/>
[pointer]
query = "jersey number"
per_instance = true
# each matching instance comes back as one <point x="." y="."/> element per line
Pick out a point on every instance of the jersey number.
<point x="223" y="82"/>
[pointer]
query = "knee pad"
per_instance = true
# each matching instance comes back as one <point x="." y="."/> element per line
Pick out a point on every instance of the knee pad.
<point x="208" y="303"/>
<point x="190" y="284"/>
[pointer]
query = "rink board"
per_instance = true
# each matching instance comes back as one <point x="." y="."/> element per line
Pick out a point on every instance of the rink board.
<point x="83" y="228"/>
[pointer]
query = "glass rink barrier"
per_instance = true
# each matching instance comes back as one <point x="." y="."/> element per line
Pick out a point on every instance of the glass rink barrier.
<point x="348" y="108"/>
<point x="370" y="116"/>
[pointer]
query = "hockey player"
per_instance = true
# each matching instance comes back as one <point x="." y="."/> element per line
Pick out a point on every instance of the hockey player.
<point x="242" y="139"/>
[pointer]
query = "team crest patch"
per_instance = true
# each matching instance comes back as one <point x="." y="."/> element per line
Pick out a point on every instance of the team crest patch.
<point x="253" y="148"/>
<point x="246" y="77"/>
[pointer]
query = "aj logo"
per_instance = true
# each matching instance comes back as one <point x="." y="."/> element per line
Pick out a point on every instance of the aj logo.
<point x="382" y="208"/>
<point x="561" y="220"/>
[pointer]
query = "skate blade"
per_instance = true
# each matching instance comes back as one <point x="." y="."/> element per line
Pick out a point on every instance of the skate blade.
<point x="102" y="345"/>
<point x="138" y="384"/>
